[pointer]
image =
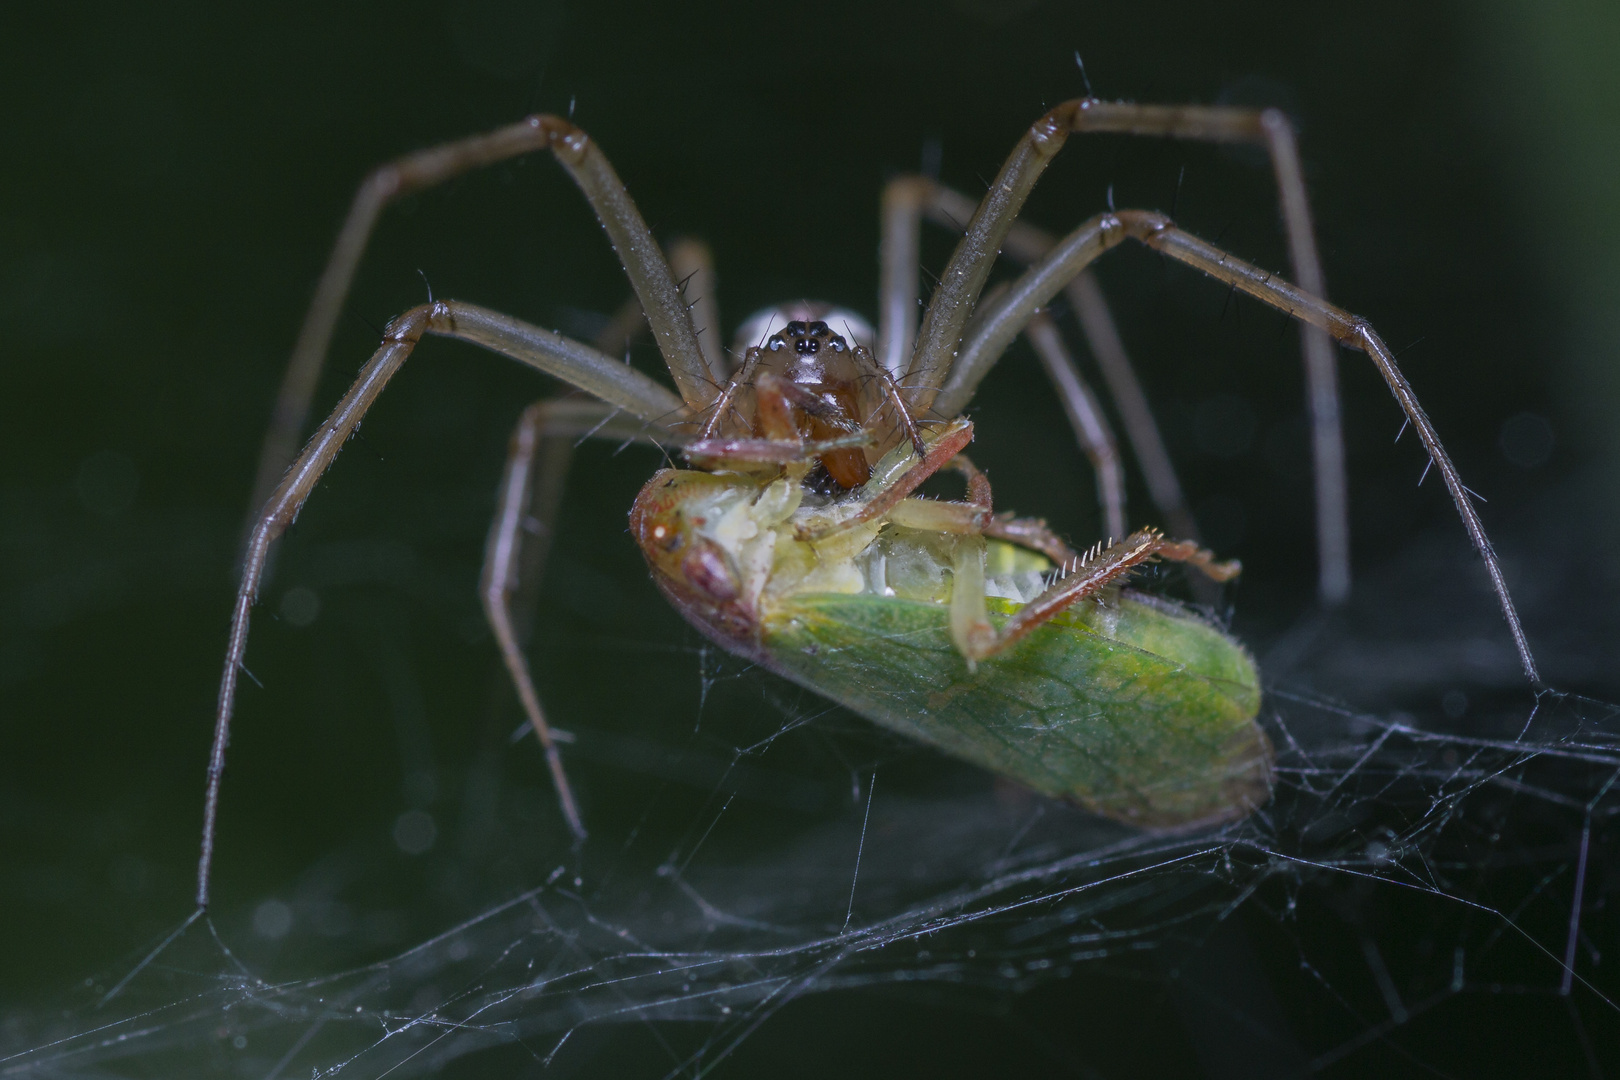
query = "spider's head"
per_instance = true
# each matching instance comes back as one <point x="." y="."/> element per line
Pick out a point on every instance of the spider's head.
<point x="807" y="339"/>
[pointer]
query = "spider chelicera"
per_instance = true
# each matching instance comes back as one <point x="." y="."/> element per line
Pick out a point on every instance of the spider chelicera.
<point x="807" y="452"/>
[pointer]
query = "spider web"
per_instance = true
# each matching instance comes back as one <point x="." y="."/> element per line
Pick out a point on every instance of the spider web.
<point x="1408" y="864"/>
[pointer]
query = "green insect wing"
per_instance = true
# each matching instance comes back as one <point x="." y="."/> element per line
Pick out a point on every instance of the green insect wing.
<point x="1136" y="708"/>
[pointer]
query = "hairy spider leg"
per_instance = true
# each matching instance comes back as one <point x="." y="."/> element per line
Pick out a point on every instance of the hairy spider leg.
<point x="609" y="380"/>
<point x="577" y="364"/>
<point x="539" y="454"/>
<point x="1046" y="278"/>
<point x="933" y="357"/>
<point x="1026" y="244"/>
<point x="906" y="200"/>
<point x="649" y="275"/>
<point x="692" y="263"/>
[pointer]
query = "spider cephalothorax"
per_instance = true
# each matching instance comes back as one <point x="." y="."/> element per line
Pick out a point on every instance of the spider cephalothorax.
<point x="807" y="384"/>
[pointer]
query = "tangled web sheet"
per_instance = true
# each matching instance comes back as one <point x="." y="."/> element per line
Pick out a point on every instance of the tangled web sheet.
<point x="1496" y="831"/>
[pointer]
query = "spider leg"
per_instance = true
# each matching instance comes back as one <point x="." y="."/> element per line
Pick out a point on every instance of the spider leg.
<point x="693" y="266"/>
<point x="1077" y="250"/>
<point x="1152" y="456"/>
<point x="526" y="502"/>
<point x="970" y="516"/>
<point x="1085" y="416"/>
<point x="1026" y="244"/>
<point x="886" y="489"/>
<point x="909" y="198"/>
<point x="613" y="382"/>
<point x="990" y="229"/>
<point x="577" y="152"/>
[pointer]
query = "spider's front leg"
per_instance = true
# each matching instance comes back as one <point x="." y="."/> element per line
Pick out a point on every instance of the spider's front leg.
<point x="1076" y="251"/>
<point x="586" y="369"/>
<point x="945" y="370"/>
<point x="695" y="365"/>
<point x="989" y="229"/>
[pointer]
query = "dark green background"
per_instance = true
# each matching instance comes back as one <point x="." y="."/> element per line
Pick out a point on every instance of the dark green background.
<point x="171" y="177"/>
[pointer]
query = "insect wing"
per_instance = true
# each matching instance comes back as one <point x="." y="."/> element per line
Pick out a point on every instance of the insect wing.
<point x="1136" y="709"/>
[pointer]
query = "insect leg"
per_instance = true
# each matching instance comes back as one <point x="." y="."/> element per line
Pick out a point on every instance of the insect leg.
<point x="427" y="168"/>
<point x="1032" y="533"/>
<point x="526" y="501"/>
<point x="970" y="516"/>
<point x="858" y="507"/>
<point x="977" y="638"/>
<point x="608" y="379"/>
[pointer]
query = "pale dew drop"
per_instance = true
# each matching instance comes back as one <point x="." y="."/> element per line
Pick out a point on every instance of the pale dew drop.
<point x="1526" y="440"/>
<point x="272" y="919"/>
<point x="415" y="832"/>
<point x="300" y="606"/>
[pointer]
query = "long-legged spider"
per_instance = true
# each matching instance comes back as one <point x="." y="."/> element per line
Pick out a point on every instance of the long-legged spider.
<point x="851" y="430"/>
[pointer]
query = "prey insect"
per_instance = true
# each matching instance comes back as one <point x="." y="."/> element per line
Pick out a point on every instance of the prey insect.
<point x="797" y="538"/>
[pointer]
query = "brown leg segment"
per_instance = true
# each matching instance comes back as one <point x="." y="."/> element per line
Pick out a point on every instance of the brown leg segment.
<point x="1027" y="244"/>
<point x="940" y="452"/>
<point x="1085" y="577"/>
<point x="1043" y="280"/>
<point x="990" y="229"/>
<point x="643" y="263"/>
<point x="541" y="445"/>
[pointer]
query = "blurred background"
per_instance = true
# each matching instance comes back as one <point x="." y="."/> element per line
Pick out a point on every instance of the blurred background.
<point x="172" y="179"/>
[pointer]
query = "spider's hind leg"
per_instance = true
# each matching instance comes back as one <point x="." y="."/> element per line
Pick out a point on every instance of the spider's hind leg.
<point x="520" y="536"/>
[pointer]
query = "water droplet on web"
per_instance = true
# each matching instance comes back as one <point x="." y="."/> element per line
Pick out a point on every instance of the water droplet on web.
<point x="415" y="832"/>
<point x="1526" y="440"/>
<point x="272" y="919"/>
<point x="300" y="606"/>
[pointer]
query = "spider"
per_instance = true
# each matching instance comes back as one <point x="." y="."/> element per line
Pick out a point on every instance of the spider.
<point x="819" y="437"/>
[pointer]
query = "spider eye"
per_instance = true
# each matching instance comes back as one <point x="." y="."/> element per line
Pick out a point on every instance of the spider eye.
<point x="795" y="329"/>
